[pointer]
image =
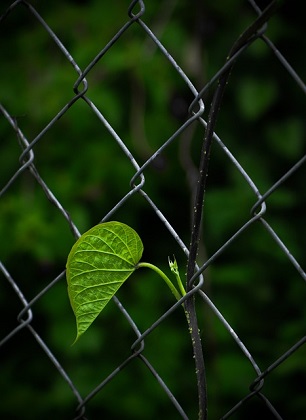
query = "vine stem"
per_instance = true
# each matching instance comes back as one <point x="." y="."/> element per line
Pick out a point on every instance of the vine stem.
<point x="249" y="35"/>
<point x="190" y="308"/>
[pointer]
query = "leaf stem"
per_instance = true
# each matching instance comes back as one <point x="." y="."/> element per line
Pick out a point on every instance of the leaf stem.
<point x="163" y="276"/>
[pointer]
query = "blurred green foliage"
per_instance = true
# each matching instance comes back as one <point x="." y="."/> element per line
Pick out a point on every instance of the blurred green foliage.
<point x="142" y="96"/>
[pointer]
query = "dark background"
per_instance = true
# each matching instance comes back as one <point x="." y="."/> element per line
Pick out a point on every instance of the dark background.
<point x="252" y="283"/>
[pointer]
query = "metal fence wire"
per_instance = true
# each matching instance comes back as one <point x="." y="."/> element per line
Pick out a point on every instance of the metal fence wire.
<point x="121" y="374"/>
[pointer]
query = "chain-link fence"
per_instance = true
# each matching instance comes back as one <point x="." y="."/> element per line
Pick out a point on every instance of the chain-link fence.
<point x="71" y="160"/>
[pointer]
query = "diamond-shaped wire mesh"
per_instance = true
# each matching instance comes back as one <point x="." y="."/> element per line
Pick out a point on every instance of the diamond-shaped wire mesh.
<point x="106" y="118"/>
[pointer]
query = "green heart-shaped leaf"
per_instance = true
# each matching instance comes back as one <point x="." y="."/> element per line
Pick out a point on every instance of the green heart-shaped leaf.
<point x="98" y="264"/>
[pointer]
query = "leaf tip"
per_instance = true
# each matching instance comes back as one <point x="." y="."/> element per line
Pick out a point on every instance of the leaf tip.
<point x="76" y="339"/>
